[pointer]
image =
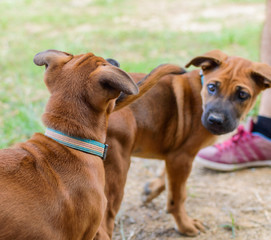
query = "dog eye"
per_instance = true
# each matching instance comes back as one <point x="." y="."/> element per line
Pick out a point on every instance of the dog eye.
<point x="211" y="88"/>
<point x="243" y="95"/>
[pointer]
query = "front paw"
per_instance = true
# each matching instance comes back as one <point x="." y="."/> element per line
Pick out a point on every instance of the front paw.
<point x="191" y="228"/>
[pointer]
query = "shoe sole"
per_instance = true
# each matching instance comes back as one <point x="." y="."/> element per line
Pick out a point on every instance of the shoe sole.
<point x="231" y="167"/>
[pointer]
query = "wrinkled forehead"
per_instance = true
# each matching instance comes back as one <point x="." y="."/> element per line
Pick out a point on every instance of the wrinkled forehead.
<point x="86" y="60"/>
<point x="234" y="69"/>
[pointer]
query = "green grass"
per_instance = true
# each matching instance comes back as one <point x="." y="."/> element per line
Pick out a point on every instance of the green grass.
<point x="232" y="226"/>
<point x="139" y="34"/>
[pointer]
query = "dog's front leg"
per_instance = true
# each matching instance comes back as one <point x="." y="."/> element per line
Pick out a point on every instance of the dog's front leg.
<point x="178" y="168"/>
<point x="102" y="234"/>
<point x="116" y="171"/>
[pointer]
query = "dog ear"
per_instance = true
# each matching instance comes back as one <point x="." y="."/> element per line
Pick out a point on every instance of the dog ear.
<point x="261" y="74"/>
<point x="208" y="60"/>
<point x="113" y="62"/>
<point x="113" y="78"/>
<point x="51" y="57"/>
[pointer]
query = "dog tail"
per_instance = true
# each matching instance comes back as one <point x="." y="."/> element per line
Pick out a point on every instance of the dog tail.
<point x="147" y="83"/>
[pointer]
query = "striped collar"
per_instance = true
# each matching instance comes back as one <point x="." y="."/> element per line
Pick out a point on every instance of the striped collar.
<point x="84" y="145"/>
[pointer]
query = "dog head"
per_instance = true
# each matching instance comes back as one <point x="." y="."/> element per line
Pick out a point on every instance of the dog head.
<point x="86" y="77"/>
<point x="83" y="91"/>
<point x="230" y="87"/>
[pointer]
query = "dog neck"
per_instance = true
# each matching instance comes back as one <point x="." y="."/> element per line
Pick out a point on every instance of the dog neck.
<point x="74" y="128"/>
<point x="75" y="120"/>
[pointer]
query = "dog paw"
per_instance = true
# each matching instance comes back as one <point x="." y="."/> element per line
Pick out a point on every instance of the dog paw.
<point x="145" y="194"/>
<point x="191" y="229"/>
<point x="152" y="190"/>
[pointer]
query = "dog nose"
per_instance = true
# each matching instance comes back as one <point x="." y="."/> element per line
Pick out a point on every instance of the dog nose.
<point x="216" y="118"/>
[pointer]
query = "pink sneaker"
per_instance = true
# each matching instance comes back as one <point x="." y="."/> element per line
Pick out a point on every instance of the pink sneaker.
<point x="244" y="149"/>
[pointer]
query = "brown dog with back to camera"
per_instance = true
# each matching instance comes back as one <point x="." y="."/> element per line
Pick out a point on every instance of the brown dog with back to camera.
<point x="172" y="122"/>
<point x="48" y="190"/>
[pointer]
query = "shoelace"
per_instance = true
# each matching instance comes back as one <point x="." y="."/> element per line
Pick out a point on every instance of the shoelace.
<point x="241" y="135"/>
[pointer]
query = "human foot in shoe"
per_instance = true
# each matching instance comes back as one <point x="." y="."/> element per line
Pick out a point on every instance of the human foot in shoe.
<point x="244" y="149"/>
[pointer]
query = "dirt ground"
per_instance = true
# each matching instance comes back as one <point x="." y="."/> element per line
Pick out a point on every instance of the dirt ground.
<point x="234" y="205"/>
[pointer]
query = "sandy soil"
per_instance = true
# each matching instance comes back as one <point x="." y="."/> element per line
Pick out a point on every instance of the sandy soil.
<point x="234" y="205"/>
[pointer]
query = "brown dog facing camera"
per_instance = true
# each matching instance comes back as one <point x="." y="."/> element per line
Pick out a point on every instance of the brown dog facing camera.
<point x="172" y="122"/>
<point x="54" y="189"/>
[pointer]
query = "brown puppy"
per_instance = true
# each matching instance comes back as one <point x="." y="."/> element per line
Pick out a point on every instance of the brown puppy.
<point x="173" y="121"/>
<point x="49" y="190"/>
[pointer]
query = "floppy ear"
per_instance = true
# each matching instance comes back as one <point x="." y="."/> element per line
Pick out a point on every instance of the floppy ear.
<point x="51" y="57"/>
<point x="113" y="62"/>
<point x="208" y="60"/>
<point x="261" y="74"/>
<point x="114" y="79"/>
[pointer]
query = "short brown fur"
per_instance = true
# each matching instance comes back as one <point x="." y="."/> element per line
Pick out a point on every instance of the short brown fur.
<point x="50" y="191"/>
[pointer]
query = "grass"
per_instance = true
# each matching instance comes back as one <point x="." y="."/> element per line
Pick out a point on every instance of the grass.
<point x="139" y="34"/>
<point x="232" y="226"/>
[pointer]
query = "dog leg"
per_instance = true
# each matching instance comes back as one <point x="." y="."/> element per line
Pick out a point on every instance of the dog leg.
<point x="178" y="169"/>
<point x="102" y="234"/>
<point x="154" y="187"/>
<point x="115" y="174"/>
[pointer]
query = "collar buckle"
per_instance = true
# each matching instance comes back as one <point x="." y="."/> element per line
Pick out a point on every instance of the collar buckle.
<point x="105" y="152"/>
<point x="201" y="76"/>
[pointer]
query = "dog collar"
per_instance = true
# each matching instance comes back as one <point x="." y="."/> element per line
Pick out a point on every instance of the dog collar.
<point x="84" y="145"/>
<point x="201" y="77"/>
